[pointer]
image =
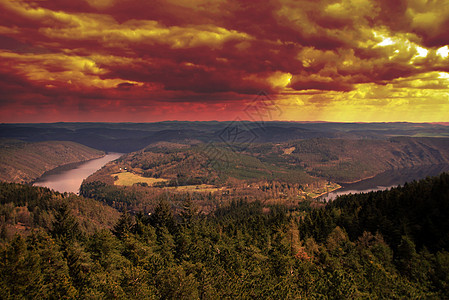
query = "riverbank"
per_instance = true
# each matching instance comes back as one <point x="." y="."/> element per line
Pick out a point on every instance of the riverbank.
<point x="23" y="162"/>
<point x="327" y="192"/>
<point x="64" y="167"/>
<point x="330" y="187"/>
<point x="358" y="180"/>
<point x="68" y="178"/>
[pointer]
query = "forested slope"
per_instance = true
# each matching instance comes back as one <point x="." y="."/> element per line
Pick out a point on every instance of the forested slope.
<point x="347" y="160"/>
<point x="418" y="210"/>
<point x="364" y="246"/>
<point x="25" y="162"/>
<point x="24" y="208"/>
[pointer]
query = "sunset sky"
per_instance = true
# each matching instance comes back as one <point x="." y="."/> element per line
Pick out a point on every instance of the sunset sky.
<point x="145" y="61"/>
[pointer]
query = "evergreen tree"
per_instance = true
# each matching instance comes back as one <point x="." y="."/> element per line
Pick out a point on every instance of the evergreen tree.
<point x="124" y="225"/>
<point x="65" y="227"/>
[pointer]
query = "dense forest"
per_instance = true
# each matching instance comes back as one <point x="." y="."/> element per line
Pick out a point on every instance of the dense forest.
<point x="391" y="244"/>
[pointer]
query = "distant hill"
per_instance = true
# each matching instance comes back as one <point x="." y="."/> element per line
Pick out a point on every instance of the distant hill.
<point x="24" y="162"/>
<point x="129" y="137"/>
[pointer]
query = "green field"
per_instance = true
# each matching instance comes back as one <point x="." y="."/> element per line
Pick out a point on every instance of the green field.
<point x="129" y="179"/>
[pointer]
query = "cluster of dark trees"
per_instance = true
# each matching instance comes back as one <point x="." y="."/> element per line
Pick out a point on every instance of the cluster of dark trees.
<point x="418" y="210"/>
<point x="391" y="244"/>
<point x="110" y="194"/>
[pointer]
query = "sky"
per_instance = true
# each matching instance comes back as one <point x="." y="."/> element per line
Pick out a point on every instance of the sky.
<point x="147" y="61"/>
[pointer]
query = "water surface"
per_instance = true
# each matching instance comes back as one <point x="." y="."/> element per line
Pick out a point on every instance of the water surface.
<point x="68" y="178"/>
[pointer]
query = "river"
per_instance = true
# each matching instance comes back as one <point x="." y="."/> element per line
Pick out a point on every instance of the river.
<point x="68" y="178"/>
<point x="386" y="180"/>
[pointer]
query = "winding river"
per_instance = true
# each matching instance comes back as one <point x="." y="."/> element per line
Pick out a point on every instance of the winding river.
<point x="68" y="178"/>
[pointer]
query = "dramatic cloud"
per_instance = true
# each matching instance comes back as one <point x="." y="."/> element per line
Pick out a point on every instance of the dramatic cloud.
<point x="133" y="60"/>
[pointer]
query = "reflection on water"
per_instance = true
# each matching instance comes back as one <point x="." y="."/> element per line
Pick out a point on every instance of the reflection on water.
<point x="387" y="179"/>
<point x="69" y="179"/>
<point x="342" y="191"/>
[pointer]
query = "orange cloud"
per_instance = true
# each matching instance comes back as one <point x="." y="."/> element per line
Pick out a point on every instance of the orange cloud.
<point x="327" y="60"/>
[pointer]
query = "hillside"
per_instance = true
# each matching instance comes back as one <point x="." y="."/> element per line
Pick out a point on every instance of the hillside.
<point x="384" y="245"/>
<point x="418" y="210"/>
<point x="299" y="161"/>
<point x="348" y="160"/>
<point x="24" y="209"/>
<point x="214" y="173"/>
<point x="338" y="160"/>
<point x="25" y="162"/>
<point x="411" y="219"/>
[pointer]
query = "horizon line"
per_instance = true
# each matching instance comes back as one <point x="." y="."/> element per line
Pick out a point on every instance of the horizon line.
<point x="235" y="120"/>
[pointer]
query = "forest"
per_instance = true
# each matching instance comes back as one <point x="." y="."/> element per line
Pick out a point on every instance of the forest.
<point x="391" y="244"/>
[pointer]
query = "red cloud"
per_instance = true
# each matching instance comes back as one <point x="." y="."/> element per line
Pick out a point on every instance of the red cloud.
<point x="138" y="53"/>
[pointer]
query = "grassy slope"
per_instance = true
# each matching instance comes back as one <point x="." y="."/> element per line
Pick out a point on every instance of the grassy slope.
<point x="127" y="178"/>
<point x="25" y="162"/>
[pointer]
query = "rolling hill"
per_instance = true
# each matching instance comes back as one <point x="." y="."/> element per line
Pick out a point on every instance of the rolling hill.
<point x="299" y="161"/>
<point x="129" y="137"/>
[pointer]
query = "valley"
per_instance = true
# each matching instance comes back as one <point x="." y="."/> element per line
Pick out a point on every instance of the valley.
<point x="287" y="172"/>
<point x="24" y="162"/>
<point x="276" y="167"/>
<point x="183" y="217"/>
<point x="224" y="149"/>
